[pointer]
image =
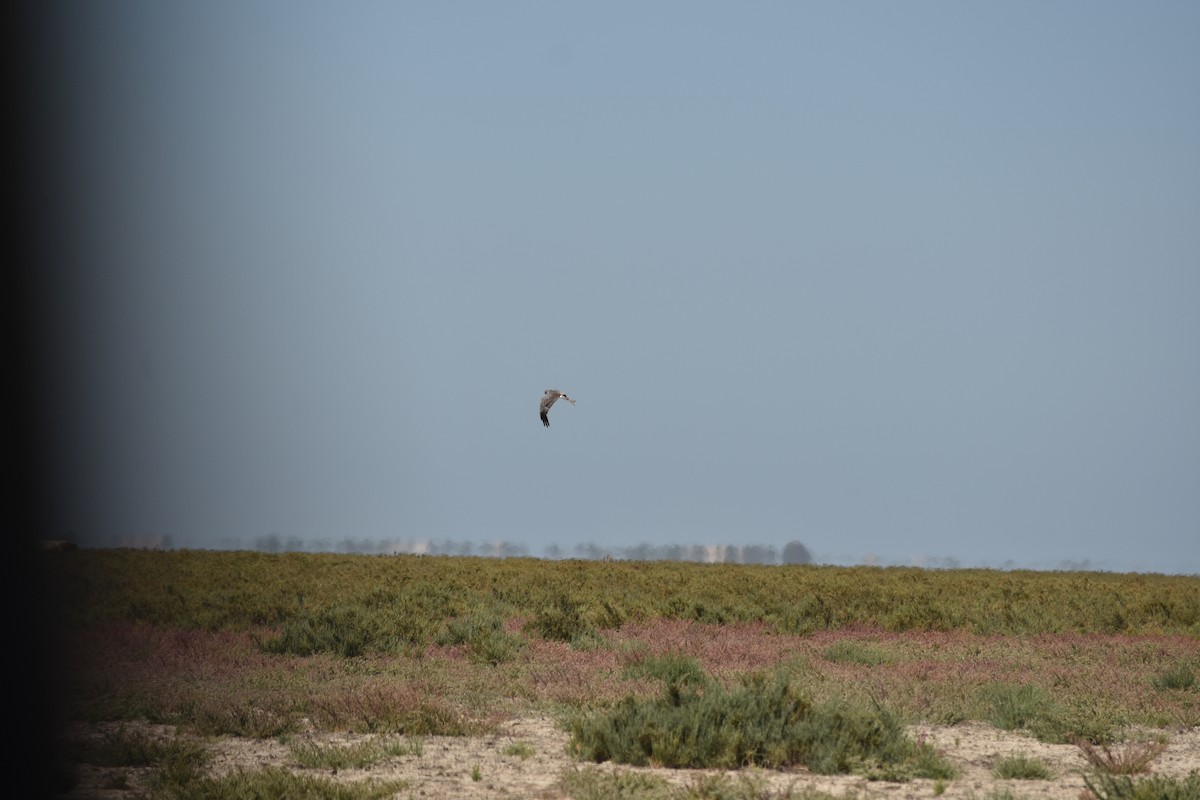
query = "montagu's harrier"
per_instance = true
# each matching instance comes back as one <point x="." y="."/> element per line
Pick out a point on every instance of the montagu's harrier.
<point x="548" y="400"/>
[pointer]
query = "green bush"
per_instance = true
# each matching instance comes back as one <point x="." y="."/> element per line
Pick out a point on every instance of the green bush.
<point x="561" y="621"/>
<point x="674" y="668"/>
<point x="1086" y="719"/>
<point x="590" y="784"/>
<point x="1131" y="758"/>
<point x="1021" y="767"/>
<point x="1012" y="706"/>
<point x="805" y="616"/>
<point x="181" y="764"/>
<point x="1032" y="708"/>
<point x="763" y="721"/>
<point x="220" y="716"/>
<point x="1181" y="676"/>
<point x="1158" y="787"/>
<point x="482" y="631"/>
<point x="269" y="783"/>
<point x="381" y="621"/>
<point x="123" y="747"/>
<point x="345" y="630"/>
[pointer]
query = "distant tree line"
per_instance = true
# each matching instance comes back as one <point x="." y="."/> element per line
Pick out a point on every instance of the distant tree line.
<point x="793" y="552"/>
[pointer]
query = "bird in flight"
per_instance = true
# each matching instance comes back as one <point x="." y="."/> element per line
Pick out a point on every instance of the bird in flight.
<point x="548" y="400"/>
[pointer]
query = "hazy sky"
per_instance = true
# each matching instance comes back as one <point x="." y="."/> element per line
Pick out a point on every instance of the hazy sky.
<point x="902" y="281"/>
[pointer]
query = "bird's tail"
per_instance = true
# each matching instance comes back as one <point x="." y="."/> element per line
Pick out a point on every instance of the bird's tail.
<point x="569" y="400"/>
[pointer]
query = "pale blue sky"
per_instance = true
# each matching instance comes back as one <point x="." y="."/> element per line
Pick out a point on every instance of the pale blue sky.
<point x="902" y="281"/>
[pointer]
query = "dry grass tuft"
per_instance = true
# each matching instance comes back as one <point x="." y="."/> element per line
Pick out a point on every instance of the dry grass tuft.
<point x="1133" y="758"/>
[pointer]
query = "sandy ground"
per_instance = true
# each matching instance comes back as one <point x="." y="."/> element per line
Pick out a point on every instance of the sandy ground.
<point x="448" y="768"/>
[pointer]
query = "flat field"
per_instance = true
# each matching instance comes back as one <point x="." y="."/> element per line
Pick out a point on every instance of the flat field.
<point x="223" y="674"/>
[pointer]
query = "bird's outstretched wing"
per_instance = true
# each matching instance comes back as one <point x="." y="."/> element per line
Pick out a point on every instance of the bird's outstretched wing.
<point x="548" y="400"/>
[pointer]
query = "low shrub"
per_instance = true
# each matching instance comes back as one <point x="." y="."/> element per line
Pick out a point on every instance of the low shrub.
<point x="1021" y="768"/>
<point x="670" y="667"/>
<point x="344" y="629"/>
<point x="174" y="761"/>
<point x="220" y="715"/>
<point x="762" y="722"/>
<point x="392" y="708"/>
<point x="563" y="621"/>
<point x="521" y="750"/>
<point x="591" y="784"/>
<point x="482" y="631"/>
<point x="1129" y="759"/>
<point x="124" y="747"/>
<point x="1104" y="786"/>
<point x="1181" y="676"/>
<point x="1087" y="719"/>
<point x="1013" y="706"/>
<point x="181" y="764"/>
<point x="270" y="782"/>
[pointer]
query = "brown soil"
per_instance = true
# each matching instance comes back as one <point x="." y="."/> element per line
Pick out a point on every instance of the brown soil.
<point x="487" y="767"/>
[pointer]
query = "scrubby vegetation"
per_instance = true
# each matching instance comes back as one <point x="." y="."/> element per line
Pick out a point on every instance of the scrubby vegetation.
<point x="675" y="664"/>
<point x="1021" y="768"/>
<point x="1132" y="758"/>
<point x="763" y="721"/>
<point x="675" y="669"/>
<point x="123" y="747"/>
<point x="590" y="784"/>
<point x="1049" y="717"/>
<point x="1179" y="677"/>
<point x="217" y="590"/>
<point x="482" y="632"/>
<point x="175" y="769"/>
<point x="1104" y="786"/>
<point x="270" y="782"/>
